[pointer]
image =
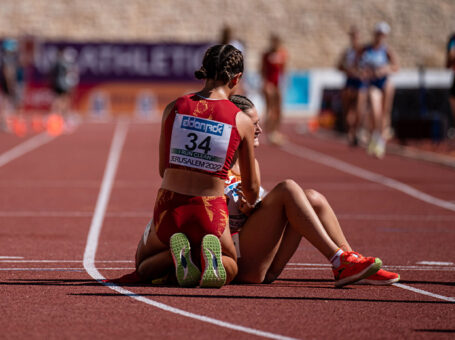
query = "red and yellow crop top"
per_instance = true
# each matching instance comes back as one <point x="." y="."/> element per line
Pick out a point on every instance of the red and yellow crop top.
<point x="201" y="135"/>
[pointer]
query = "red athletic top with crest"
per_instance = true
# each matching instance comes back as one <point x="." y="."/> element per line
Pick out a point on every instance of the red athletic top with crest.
<point x="201" y="135"/>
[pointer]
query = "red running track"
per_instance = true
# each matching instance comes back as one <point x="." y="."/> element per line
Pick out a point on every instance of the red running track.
<point x="49" y="196"/>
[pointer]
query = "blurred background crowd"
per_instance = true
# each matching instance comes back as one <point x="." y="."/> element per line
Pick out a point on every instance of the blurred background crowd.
<point x="372" y="70"/>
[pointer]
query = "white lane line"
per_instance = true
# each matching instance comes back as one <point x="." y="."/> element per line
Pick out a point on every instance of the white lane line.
<point x="61" y="261"/>
<point x="62" y="269"/>
<point x="290" y="266"/>
<point x="424" y="292"/>
<point x="10" y="257"/>
<point x="25" y="147"/>
<point x="353" y="170"/>
<point x="435" y="263"/>
<point x="95" y="230"/>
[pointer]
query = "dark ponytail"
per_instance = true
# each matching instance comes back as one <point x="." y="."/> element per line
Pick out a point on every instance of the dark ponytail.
<point x="221" y="62"/>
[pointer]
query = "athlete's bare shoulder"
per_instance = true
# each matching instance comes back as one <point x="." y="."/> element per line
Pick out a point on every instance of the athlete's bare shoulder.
<point x="168" y="110"/>
<point x="244" y="124"/>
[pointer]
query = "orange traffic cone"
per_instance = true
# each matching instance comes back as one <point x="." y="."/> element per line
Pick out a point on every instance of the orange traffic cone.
<point x="55" y="124"/>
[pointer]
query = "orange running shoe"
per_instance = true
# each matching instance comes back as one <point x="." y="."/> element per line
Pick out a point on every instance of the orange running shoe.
<point x="381" y="278"/>
<point x="355" y="267"/>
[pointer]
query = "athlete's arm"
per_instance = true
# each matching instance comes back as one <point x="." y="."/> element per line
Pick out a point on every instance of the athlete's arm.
<point x="258" y="170"/>
<point x="393" y="61"/>
<point x="162" y="162"/>
<point x="341" y="66"/>
<point x="247" y="162"/>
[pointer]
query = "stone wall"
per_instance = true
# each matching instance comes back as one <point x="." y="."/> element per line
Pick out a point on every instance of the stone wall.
<point x="314" y="31"/>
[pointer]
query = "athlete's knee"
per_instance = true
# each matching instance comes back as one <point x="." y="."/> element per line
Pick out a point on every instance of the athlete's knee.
<point x="288" y="186"/>
<point x="317" y="200"/>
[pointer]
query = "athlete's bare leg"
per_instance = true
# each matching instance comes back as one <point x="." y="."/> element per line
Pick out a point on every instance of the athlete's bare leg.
<point x="364" y="122"/>
<point x="452" y="107"/>
<point x="389" y="92"/>
<point x="273" y="112"/>
<point x="229" y="255"/>
<point x="291" y="238"/>
<point x="376" y="108"/>
<point x="289" y="244"/>
<point x="154" y="260"/>
<point x="350" y="104"/>
<point x="262" y="233"/>
<point x="328" y="218"/>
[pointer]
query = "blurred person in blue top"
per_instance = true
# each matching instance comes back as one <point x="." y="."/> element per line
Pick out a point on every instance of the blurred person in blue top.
<point x="11" y="84"/>
<point x="450" y="63"/>
<point x="349" y="65"/>
<point x="378" y="62"/>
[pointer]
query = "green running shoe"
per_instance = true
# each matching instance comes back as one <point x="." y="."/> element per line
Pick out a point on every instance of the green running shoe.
<point x="187" y="273"/>
<point x="213" y="272"/>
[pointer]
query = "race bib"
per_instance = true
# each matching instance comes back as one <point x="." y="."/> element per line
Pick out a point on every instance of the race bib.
<point x="199" y="143"/>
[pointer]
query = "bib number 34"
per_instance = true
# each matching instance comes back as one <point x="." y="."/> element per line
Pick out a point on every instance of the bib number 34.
<point x="194" y="143"/>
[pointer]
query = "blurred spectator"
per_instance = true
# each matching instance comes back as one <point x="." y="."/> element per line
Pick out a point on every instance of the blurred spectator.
<point x="64" y="77"/>
<point x="349" y="64"/>
<point x="273" y="67"/>
<point x="450" y="63"/>
<point x="12" y="80"/>
<point x="227" y="37"/>
<point x="377" y="62"/>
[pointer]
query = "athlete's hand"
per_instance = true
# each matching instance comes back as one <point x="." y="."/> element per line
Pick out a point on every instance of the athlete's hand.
<point x="242" y="203"/>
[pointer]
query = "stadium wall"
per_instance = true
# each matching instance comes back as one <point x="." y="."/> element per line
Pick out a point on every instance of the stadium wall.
<point x="313" y="31"/>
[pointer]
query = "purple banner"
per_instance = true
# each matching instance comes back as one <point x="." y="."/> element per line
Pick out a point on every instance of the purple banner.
<point x="99" y="62"/>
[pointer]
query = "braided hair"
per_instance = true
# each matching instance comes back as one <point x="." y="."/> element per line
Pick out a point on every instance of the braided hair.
<point x="221" y="62"/>
<point x="242" y="102"/>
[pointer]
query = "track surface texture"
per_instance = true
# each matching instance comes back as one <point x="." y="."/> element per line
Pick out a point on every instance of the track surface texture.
<point x="72" y="209"/>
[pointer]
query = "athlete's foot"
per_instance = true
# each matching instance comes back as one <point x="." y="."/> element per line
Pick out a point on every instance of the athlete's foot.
<point x="188" y="275"/>
<point x="354" y="267"/>
<point x="213" y="272"/>
<point x="381" y="278"/>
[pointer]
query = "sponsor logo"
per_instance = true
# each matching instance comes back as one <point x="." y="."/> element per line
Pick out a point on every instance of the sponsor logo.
<point x="202" y="125"/>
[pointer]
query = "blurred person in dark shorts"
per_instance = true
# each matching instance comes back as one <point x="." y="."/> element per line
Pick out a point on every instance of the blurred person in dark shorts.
<point x="378" y="62"/>
<point x="450" y="63"/>
<point x="349" y="65"/>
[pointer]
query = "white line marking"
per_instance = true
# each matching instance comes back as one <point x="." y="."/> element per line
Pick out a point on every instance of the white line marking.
<point x="24" y="147"/>
<point x="95" y="230"/>
<point x="11" y="257"/>
<point x="61" y="261"/>
<point x="435" y="263"/>
<point x="50" y="269"/>
<point x="353" y="170"/>
<point x="424" y="292"/>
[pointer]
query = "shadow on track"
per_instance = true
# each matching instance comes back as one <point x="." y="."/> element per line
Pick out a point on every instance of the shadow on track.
<point x="241" y="297"/>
